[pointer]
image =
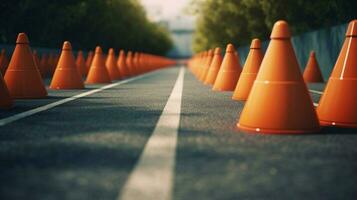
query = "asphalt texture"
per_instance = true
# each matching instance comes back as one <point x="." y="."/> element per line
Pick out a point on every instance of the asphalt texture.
<point x="86" y="149"/>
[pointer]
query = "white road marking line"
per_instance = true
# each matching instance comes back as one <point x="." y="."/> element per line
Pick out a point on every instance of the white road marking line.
<point x="347" y="53"/>
<point x="316" y="92"/>
<point x="34" y="111"/>
<point x="152" y="177"/>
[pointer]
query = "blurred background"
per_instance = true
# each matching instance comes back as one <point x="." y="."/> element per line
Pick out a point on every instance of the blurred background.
<point x="176" y="28"/>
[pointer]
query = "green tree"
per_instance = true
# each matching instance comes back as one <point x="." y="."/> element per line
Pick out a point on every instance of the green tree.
<point x="238" y="21"/>
<point x="86" y="23"/>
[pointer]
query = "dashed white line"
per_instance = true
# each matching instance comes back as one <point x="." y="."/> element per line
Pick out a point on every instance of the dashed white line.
<point x="34" y="111"/>
<point x="152" y="177"/>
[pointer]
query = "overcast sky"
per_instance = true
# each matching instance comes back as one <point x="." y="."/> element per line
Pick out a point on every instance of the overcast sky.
<point x="164" y="9"/>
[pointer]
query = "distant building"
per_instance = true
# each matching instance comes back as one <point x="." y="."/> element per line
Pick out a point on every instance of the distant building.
<point x="181" y="30"/>
<point x="180" y="27"/>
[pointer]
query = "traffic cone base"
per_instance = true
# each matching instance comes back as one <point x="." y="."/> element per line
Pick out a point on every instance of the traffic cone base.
<point x="98" y="79"/>
<point x="283" y="101"/>
<point x="337" y="113"/>
<point x="338" y="124"/>
<point x="66" y="79"/>
<point x="274" y="131"/>
<point x="25" y="89"/>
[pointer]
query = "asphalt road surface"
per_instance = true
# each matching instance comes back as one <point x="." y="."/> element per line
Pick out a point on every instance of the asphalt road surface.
<point x="163" y="135"/>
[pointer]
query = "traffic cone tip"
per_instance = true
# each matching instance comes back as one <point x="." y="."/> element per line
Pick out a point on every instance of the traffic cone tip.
<point x="217" y="51"/>
<point x="98" y="50"/>
<point x="256" y="44"/>
<point x="352" y="29"/>
<point x="22" y="39"/>
<point x="67" y="46"/>
<point x="280" y="30"/>
<point x="230" y="48"/>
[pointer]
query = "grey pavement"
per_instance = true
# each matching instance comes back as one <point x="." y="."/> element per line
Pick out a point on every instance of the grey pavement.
<point x="86" y="149"/>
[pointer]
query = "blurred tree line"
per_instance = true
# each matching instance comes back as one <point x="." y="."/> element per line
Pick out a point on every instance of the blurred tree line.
<point x="85" y="23"/>
<point x="238" y="21"/>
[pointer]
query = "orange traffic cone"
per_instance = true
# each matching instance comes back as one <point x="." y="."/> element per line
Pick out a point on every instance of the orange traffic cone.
<point x="112" y="65"/>
<point x="129" y="63"/>
<point x="312" y="73"/>
<point x="134" y="64"/>
<point x="229" y="72"/>
<point x="81" y="63"/>
<point x="338" y="104"/>
<point x="37" y="61"/>
<point x="51" y="64"/>
<point x="44" y="65"/>
<point x="123" y="70"/>
<point x="279" y="101"/>
<point x="4" y="62"/>
<point x="214" y="68"/>
<point x="5" y="98"/>
<point x="201" y="64"/>
<point x="98" y="73"/>
<point x="207" y="64"/>
<point x="66" y="75"/>
<point x="250" y="71"/>
<point x="142" y="63"/>
<point x="88" y="62"/>
<point x="22" y="77"/>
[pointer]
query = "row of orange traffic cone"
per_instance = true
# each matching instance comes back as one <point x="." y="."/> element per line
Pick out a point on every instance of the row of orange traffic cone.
<point x="277" y="98"/>
<point x="23" y="78"/>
